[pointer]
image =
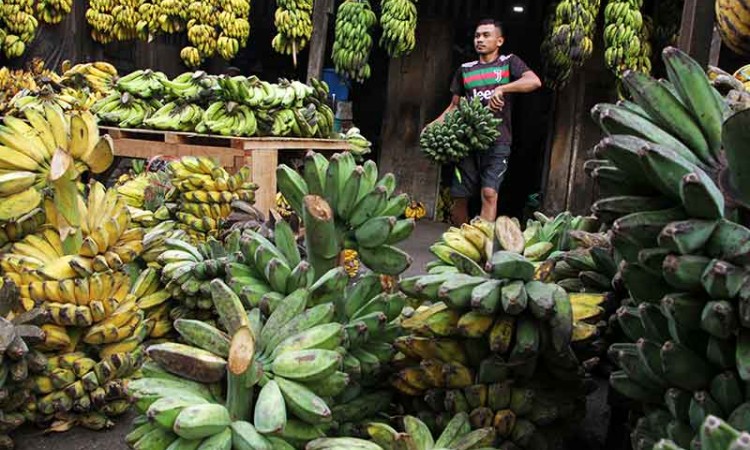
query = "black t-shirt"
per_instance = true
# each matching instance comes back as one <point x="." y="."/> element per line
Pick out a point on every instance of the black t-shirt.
<point x="477" y="79"/>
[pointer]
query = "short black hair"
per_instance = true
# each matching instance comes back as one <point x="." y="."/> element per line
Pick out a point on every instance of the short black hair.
<point x="496" y="23"/>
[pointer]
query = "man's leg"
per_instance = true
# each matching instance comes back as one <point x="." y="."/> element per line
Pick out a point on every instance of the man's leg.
<point x="464" y="185"/>
<point x="494" y="163"/>
<point x="460" y="211"/>
<point x="489" y="204"/>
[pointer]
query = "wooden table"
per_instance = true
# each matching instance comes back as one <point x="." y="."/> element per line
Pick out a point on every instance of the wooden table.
<point x="260" y="154"/>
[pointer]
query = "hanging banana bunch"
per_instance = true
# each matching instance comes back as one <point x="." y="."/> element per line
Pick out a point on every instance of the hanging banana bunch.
<point x="623" y="36"/>
<point x="53" y="11"/>
<point x="293" y="21"/>
<point x="17" y="26"/>
<point x="352" y="41"/>
<point x="569" y="40"/>
<point x="399" y="22"/>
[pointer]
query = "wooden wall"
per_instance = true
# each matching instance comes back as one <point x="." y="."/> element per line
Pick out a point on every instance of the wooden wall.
<point x="416" y="94"/>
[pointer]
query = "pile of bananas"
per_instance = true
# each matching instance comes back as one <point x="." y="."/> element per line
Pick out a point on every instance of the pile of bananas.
<point x="681" y="256"/>
<point x="53" y="11"/>
<point x="569" y="39"/>
<point x="478" y="349"/>
<point x="296" y="364"/>
<point x="206" y="192"/>
<point x="398" y="18"/>
<point x="469" y="128"/>
<point x="732" y="19"/>
<point x="17" y="26"/>
<point x="365" y="205"/>
<point x="230" y="106"/>
<point x="714" y="434"/>
<point x="96" y="77"/>
<point x="352" y="41"/>
<point x="293" y="21"/>
<point x="624" y="37"/>
<point x="456" y="435"/>
<point x="71" y="281"/>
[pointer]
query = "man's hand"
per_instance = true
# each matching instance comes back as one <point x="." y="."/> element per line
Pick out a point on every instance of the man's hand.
<point x="497" y="101"/>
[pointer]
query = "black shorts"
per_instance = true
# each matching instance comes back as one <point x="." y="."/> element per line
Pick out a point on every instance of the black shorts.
<point x="481" y="169"/>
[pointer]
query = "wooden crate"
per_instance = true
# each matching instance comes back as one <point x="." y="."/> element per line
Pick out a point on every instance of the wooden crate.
<point x="261" y="154"/>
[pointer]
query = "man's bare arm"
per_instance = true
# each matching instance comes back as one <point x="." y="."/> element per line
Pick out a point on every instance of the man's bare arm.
<point x="528" y="82"/>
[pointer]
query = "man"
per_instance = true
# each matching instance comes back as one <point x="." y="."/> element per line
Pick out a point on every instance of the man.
<point x="494" y="78"/>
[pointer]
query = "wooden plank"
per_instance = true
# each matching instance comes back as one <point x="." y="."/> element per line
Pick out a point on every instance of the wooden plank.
<point x="556" y="189"/>
<point x="264" y="175"/>
<point x="137" y="148"/>
<point x="417" y="94"/>
<point x="316" y="58"/>
<point x="696" y="31"/>
<point x="249" y="143"/>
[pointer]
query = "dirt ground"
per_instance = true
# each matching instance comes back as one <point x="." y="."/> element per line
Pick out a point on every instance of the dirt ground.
<point x="590" y="436"/>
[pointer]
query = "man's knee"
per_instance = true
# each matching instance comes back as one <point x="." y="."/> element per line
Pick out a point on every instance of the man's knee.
<point x="489" y="194"/>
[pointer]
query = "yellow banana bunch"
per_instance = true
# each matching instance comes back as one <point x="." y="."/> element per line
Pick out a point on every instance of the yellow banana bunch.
<point x="28" y="147"/>
<point x="98" y="77"/>
<point x="53" y="11"/>
<point x="293" y="21"/>
<point x="399" y="22"/>
<point x="206" y="191"/>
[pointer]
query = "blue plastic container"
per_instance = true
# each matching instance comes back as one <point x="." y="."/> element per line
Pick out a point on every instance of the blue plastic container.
<point x="337" y="84"/>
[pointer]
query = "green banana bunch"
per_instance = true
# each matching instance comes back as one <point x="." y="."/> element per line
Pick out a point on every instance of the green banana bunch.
<point x="469" y="128"/>
<point x="352" y="41"/>
<point x="546" y="236"/>
<point x="124" y="110"/>
<point x="626" y="37"/>
<point x="190" y="86"/>
<point x="172" y="116"/>
<point x="142" y="83"/>
<point x="456" y="435"/>
<point x="365" y="204"/>
<point x="228" y="119"/>
<point x="680" y="252"/>
<point x="714" y="434"/>
<point x="569" y="38"/>
<point x="398" y="19"/>
<point x="479" y="349"/>
<point x="293" y="21"/>
<point x="360" y="145"/>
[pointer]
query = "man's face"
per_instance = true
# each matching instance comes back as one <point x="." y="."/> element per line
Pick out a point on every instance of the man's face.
<point x="487" y="39"/>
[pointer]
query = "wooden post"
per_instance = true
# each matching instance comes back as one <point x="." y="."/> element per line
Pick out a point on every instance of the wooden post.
<point x="696" y="32"/>
<point x="264" y="175"/>
<point x="321" y="9"/>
